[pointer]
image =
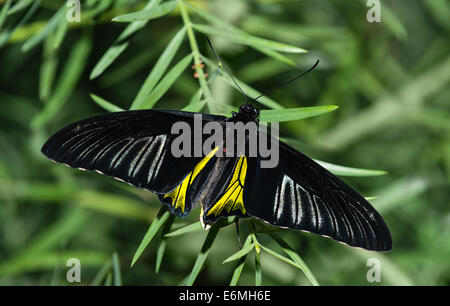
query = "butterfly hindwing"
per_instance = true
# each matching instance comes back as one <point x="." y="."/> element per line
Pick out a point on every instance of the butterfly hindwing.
<point x="186" y="194"/>
<point x="225" y="189"/>
<point x="300" y="194"/>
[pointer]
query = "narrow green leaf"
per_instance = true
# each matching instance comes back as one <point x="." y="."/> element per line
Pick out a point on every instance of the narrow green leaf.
<point x="226" y="27"/>
<point x="67" y="82"/>
<point x="294" y="113"/>
<point x="212" y="234"/>
<point x="256" y="242"/>
<point x="110" y="107"/>
<point x="113" y="204"/>
<point x="393" y="23"/>
<point x="160" y="254"/>
<point x="195" y="104"/>
<point x="160" y="219"/>
<point x="109" y="279"/>
<point x="27" y="258"/>
<point x="214" y="74"/>
<point x="247" y="39"/>
<point x="211" y="18"/>
<point x="93" y="12"/>
<point x="50" y="26"/>
<point x="47" y="260"/>
<point x="163" y="242"/>
<point x="238" y="270"/>
<point x="164" y="85"/>
<point x="60" y="33"/>
<point x="5" y="35"/>
<point x="281" y="257"/>
<point x="116" y="270"/>
<point x="107" y="59"/>
<point x="19" y="6"/>
<point x="56" y="275"/>
<point x="402" y="191"/>
<point x="242" y="252"/>
<point x="440" y="10"/>
<point x="347" y="171"/>
<point x="268" y="229"/>
<point x="48" y="69"/>
<point x="149" y="14"/>
<point x="100" y="276"/>
<point x="159" y="69"/>
<point x="64" y="228"/>
<point x="194" y="227"/>
<point x="258" y="271"/>
<point x="276" y="56"/>
<point x="4" y="12"/>
<point x="295" y="257"/>
<point x="226" y="221"/>
<point x="129" y="68"/>
<point x="260" y="70"/>
<point x="120" y="44"/>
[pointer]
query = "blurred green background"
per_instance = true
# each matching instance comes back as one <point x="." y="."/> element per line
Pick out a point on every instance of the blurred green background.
<point x="390" y="80"/>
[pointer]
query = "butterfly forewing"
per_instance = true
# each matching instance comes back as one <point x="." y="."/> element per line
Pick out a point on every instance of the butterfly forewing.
<point x="300" y="194"/>
<point x="133" y="146"/>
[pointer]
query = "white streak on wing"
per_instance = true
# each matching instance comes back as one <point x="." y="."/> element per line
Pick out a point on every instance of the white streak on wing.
<point x="320" y="218"/>
<point x="153" y="142"/>
<point x="282" y="192"/>
<point x="161" y="158"/>
<point x="301" y="204"/>
<point x="74" y="138"/>
<point x="122" y="153"/>
<point x="105" y="150"/>
<point x="277" y="202"/>
<point x="160" y="140"/>
<point x="291" y="185"/>
<point x="94" y="145"/>
<point x="140" y="157"/>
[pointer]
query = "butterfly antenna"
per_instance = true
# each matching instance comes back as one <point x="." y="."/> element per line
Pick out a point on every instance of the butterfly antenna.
<point x="225" y="68"/>
<point x="286" y="83"/>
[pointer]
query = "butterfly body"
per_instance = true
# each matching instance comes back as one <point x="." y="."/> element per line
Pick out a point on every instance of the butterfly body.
<point x="135" y="146"/>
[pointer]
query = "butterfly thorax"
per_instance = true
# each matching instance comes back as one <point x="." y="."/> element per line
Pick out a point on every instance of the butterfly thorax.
<point x="246" y="114"/>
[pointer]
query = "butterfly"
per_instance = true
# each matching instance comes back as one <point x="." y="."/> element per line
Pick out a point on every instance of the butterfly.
<point x="135" y="147"/>
<point x="296" y="193"/>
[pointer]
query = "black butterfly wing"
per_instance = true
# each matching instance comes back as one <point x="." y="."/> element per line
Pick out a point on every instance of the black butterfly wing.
<point x="132" y="146"/>
<point x="222" y="195"/>
<point x="300" y="194"/>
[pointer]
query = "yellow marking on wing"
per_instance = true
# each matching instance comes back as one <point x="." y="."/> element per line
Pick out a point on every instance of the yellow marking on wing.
<point x="233" y="197"/>
<point x="178" y="195"/>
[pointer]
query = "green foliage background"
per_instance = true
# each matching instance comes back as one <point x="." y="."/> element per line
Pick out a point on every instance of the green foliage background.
<point x="389" y="79"/>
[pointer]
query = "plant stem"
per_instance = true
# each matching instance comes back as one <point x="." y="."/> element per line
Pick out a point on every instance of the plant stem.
<point x="195" y="52"/>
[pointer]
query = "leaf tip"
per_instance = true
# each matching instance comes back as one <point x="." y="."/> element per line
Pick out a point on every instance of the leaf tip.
<point x="380" y="172"/>
<point x="94" y="73"/>
<point x="334" y="107"/>
<point x="133" y="261"/>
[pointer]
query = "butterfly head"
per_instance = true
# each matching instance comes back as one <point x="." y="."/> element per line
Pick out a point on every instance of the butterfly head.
<point x="249" y="111"/>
